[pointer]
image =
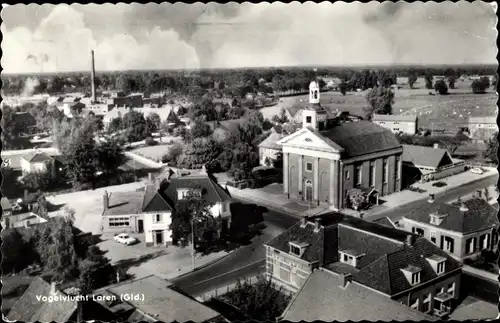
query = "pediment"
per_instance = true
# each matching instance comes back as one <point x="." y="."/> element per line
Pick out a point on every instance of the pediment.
<point x="308" y="139"/>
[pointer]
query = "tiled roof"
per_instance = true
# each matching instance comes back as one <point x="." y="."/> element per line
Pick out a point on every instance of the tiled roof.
<point x="425" y="156"/>
<point x="162" y="302"/>
<point x="385" y="275"/>
<point x="6" y="205"/>
<point x="153" y="201"/>
<point x="37" y="157"/>
<point x="213" y="192"/>
<point x="394" y="117"/>
<point x="123" y="203"/>
<point x="361" y="138"/>
<point x="271" y="141"/>
<point x="24" y="117"/>
<point x="323" y="299"/>
<point x="480" y="215"/>
<point x="384" y="221"/>
<point x="29" y="309"/>
<point x="483" y="120"/>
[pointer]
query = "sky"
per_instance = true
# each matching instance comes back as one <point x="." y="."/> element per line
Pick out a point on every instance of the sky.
<point x="57" y="38"/>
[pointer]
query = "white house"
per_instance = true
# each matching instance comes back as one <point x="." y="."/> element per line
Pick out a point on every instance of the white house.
<point x="37" y="162"/>
<point x="397" y="123"/>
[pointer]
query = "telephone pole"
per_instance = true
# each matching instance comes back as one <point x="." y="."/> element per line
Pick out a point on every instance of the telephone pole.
<point x="193" y="252"/>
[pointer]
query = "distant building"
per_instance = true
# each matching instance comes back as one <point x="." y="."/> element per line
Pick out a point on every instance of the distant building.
<point x="482" y="128"/>
<point x="6" y="207"/>
<point x="426" y="164"/>
<point x="150" y="210"/>
<point x="399" y="266"/>
<point x="21" y="220"/>
<point x="462" y="230"/>
<point x="397" y="123"/>
<point x="38" y="162"/>
<point x="269" y="148"/>
<point x="161" y="302"/>
<point x="166" y="114"/>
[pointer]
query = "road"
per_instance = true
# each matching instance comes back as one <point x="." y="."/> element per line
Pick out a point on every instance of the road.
<point x="250" y="260"/>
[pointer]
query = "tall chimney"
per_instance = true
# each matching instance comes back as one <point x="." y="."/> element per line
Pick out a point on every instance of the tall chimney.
<point x="105" y="199"/>
<point x="92" y="77"/>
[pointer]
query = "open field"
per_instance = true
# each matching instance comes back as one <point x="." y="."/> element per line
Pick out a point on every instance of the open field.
<point x="154" y="153"/>
<point x="446" y="112"/>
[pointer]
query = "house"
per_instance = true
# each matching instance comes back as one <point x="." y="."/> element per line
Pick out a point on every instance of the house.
<point x="482" y="128"/>
<point x="6" y="207"/>
<point x="400" y="266"/>
<point x="25" y="122"/>
<point x="397" y="123"/>
<point x="38" y="162"/>
<point x="21" y="220"/>
<point x="325" y="159"/>
<point x="150" y="209"/>
<point x="268" y="148"/>
<point x="328" y="296"/>
<point x="223" y="129"/>
<point x="166" y="114"/>
<point x="462" y="230"/>
<point x="46" y="302"/>
<point x="429" y="163"/>
<point x="160" y="302"/>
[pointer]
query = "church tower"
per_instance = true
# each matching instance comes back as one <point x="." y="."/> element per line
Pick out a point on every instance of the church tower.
<point x="314" y="92"/>
<point x="310" y="113"/>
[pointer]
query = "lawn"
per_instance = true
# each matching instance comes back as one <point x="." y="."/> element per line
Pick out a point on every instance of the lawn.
<point x="155" y="153"/>
<point x="447" y="112"/>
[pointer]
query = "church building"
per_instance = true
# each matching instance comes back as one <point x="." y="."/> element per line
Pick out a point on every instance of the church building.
<point x="327" y="157"/>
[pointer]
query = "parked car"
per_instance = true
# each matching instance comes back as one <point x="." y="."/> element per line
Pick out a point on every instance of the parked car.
<point x="477" y="170"/>
<point x="125" y="239"/>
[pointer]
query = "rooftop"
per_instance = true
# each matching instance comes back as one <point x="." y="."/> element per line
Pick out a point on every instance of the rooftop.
<point x="394" y="117"/>
<point x="426" y="156"/>
<point x="480" y="215"/>
<point x="124" y="203"/>
<point x="37" y="157"/>
<point x="271" y="141"/>
<point x="322" y="298"/>
<point x="6" y="205"/>
<point x="162" y="302"/>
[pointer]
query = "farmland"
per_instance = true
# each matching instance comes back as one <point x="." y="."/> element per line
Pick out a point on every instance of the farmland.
<point x="446" y="112"/>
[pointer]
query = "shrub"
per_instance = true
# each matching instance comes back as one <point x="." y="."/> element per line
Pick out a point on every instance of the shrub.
<point x="356" y="199"/>
<point x="151" y="142"/>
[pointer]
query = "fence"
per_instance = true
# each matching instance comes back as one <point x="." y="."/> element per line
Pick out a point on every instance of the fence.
<point x="225" y="289"/>
<point x="471" y="164"/>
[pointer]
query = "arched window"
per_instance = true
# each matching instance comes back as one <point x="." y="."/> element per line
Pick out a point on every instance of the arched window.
<point x="315" y="95"/>
<point x="308" y="183"/>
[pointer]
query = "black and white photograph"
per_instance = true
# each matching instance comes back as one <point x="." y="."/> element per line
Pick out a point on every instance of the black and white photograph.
<point x="222" y="162"/>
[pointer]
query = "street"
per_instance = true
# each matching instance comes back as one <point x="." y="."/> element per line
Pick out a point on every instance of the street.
<point x="250" y="260"/>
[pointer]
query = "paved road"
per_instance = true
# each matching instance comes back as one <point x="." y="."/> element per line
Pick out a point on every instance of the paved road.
<point x="250" y="260"/>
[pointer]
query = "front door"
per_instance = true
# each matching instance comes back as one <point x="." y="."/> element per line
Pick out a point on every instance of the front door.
<point x="309" y="193"/>
<point x="140" y="226"/>
<point x="159" y="237"/>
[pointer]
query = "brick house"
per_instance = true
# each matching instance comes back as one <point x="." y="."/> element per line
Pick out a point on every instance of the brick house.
<point x="326" y="158"/>
<point x="403" y="267"/>
<point x="149" y="210"/>
<point x="397" y="123"/>
<point x="462" y="230"/>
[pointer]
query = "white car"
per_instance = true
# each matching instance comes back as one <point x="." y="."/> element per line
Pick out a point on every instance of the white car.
<point x="125" y="239"/>
<point x="477" y="170"/>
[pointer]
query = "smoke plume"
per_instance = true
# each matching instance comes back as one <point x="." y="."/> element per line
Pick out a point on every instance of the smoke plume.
<point x="29" y="86"/>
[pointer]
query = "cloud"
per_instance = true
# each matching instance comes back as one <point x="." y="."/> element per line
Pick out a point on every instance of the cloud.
<point x="66" y="40"/>
<point x="238" y="35"/>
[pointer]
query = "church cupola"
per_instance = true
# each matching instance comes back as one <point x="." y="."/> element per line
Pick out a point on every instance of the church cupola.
<point x="314" y="92"/>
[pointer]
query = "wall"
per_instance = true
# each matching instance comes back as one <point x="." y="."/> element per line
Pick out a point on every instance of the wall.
<point x="132" y="227"/>
<point x="479" y="247"/>
<point x="276" y="260"/>
<point x="399" y="126"/>
<point x="266" y="152"/>
<point x="150" y="227"/>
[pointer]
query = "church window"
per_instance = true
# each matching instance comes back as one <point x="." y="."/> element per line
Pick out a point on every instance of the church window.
<point x="315" y="95"/>
<point x="309" y="167"/>
<point x="308" y="119"/>
<point x="347" y="175"/>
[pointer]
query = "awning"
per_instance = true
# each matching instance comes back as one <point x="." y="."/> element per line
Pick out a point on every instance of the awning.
<point x="443" y="297"/>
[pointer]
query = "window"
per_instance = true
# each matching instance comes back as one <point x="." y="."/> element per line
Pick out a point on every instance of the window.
<point x="448" y="246"/>
<point x="398" y="167"/>
<point x="483" y="241"/>
<point x="119" y="222"/>
<point x="158" y="218"/>
<point x="224" y="207"/>
<point x="415" y="278"/>
<point x="396" y="129"/>
<point x="347" y="175"/>
<point x="309" y="167"/>
<point x="433" y="237"/>
<point x="427" y="304"/>
<point x="451" y="289"/>
<point x="270" y="268"/>
<point x="315" y="95"/>
<point x="295" y="250"/>
<point x="346" y="258"/>
<point x="308" y="119"/>
<point x="386" y="171"/>
<point x="419" y="231"/>
<point x="372" y="174"/>
<point x="440" y="268"/>
<point x="471" y="245"/>
<point x="414" y="305"/>
<point x="358" y="173"/>
<point x="284" y="273"/>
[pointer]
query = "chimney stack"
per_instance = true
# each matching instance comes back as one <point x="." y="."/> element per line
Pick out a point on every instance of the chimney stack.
<point x="105" y="200"/>
<point x="346" y="279"/>
<point x="479" y="193"/>
<point x="410" y="239"/>
<point x="317" y="224"/>
<point x="53" y="288"/>
<point x="431" y="198"/>
<point x="25" y="195"/>
<point x="303" y="222"/>
<point x="92" y="77"/>
<point x="436" y="146"/>
<point x="150" y="178"/>
<point x="463" y="207"/>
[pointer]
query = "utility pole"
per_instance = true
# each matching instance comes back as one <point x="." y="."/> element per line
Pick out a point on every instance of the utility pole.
<point x="193" y="253"/>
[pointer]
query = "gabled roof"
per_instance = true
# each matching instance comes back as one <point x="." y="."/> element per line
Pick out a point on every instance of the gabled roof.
<point x="271" y="142"/>
<point x="124" y="203"/>
<point x="426" y="156"/>
<point x="37" y="157"/>
<point x="480" y="215"/>
<point x="6" y="205"/>
<point x="361" y="138"/>
<point x="153" y="201"/>
<point x="213" y="191"/>
<point x="313" y="132"/>
<point x="29" y="309"/>
<point x="394" y="117"/>
<point x="385" y="273"/>
<point x="385" y="221"/>
<point x="322" y="298"/>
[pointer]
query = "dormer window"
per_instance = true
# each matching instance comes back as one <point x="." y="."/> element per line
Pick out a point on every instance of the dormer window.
<point x="308" y="119"/>
<point x="298" y="248"/>
<point x="350" y="257"/>
<point x="412" y="274"/>
<point x="436" y="218"/>
<point x="437" y="263"/>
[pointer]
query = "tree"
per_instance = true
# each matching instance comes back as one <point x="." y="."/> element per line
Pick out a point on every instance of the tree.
<point x="380" y="101"/>
<point x="16" y="253"/>
<point x="135" y="126"/>
<point x="11" y="130"/>
<point x="480" y="86"/>
<point x="412" y="79"/>
<point x="492" y="148"/>
<point x="57" y="250"/>
<point x="200" y="128"/>
<point x="194" y="212"/>
<point x="343" y="88"/>
<point x="173" y="154"/>
<point x="262" y="301"/>
<point x="282" y="118"/>
<point x="115" y="125"/>
<point x="110" y="156"/>
<point x="153" y="122"/>
<point x="200" y="152"/>
<point x="441" y="87"/>
<point x="428" y="80"/>
<point x="41" y="180"/>
<point x="356" y="199"/>
<point x="451" y="81"/>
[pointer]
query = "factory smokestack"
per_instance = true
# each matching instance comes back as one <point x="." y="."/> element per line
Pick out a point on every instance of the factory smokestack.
<point x="92" y="77"/>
